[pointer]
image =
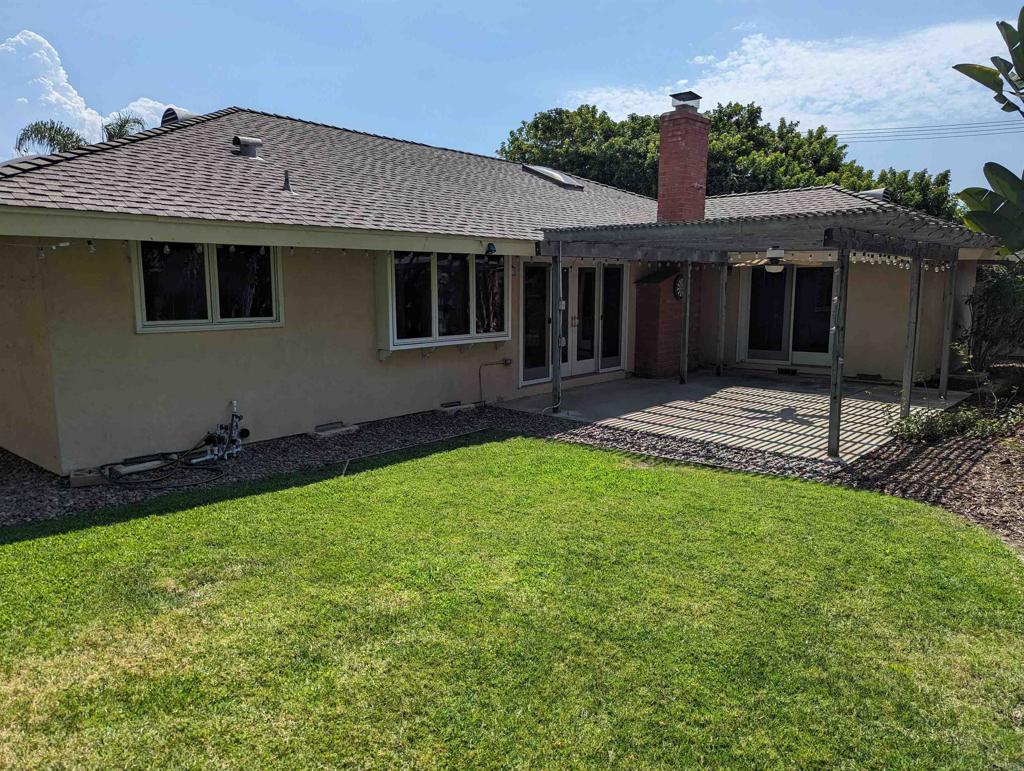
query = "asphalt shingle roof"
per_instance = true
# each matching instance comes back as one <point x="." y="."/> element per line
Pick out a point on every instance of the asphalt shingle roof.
<point x="339" y="178"/>
<point x="349" y="179"/>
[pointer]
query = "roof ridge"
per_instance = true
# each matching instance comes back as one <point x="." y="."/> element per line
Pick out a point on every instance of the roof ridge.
<point x="430" y="146"/>
<point x="11" y="168"/>
<point x="830" y="186"/>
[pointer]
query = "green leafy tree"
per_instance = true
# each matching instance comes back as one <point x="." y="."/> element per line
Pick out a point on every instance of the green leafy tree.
<point x="588" y="143"/>
<point x="745" y="154"/>
<point x="47" y="136"/>
<point x="123" y="124"/>
<point x="999" y="211"/>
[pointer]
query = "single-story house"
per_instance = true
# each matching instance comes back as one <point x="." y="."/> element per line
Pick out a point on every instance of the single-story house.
<point x="313" y="275"/>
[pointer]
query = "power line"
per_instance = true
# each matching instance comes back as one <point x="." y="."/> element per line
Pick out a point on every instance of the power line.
<point x="972" y="124"/>
<point x="938" y="133"/>
<point x="922" y="138"/>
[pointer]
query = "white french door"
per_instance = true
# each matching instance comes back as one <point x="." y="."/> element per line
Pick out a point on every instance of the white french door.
<point x="593" y="318"/>
<point x="579" y="319"/>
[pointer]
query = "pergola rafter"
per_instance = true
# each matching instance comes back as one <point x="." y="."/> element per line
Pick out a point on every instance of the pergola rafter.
<point x="904" y="235"/>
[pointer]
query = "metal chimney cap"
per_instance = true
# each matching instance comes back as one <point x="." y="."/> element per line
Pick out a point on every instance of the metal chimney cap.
<point x="247" y="146"/>
<point x="686" y="99"/>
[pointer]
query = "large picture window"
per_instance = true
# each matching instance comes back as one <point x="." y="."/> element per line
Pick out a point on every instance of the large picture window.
<point x="490" y="294"/>
<point x="412" y="295"/>
<point x="439" y="298"/>
<point x="174" y="282"/>
<point x="452" y="294"/>
<point x="205" y="286"/>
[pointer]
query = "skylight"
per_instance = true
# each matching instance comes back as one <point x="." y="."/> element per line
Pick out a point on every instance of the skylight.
<point x="558" y="177"/>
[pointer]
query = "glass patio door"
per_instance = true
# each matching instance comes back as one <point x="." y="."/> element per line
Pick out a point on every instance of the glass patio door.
<point x="592" y="319"/>
<point x="812" y="311"/>
<point x="768" y="320"/>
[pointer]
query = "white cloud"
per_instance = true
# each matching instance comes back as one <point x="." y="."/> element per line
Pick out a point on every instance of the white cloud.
<point x="705" y="59"/>
<point x="34" y="86"/>
<point x="843" y="83"/>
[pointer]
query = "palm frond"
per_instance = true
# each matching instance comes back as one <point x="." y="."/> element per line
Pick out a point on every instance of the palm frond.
<point x="48" y="136"/>
<point x="123" y="124"/>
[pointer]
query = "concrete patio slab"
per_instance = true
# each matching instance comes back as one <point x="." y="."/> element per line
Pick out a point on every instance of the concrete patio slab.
<point x="771" y="414"/>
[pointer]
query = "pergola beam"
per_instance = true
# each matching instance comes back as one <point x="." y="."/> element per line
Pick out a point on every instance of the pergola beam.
<point x="949" y="310"/>
<point x="910" y="349"/>
<point x="631" y="252"/>
<point x="556" y="331"/>
<point x="684" y="326"/>
<point x="723" y="289"/>
<point x="897" y="246"/>
<point x="837" y="346"/>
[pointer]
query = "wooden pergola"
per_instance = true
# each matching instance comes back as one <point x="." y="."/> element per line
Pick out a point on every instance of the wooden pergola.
<point x="900" y="234"/>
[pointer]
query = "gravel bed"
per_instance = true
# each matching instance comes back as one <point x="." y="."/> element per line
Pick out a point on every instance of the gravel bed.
<point x="980" y="479"/>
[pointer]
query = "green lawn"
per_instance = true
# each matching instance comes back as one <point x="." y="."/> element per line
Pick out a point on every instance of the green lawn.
<point x="515" y="603"/>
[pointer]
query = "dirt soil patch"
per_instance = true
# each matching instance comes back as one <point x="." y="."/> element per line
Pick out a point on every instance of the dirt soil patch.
<point x="980" y="479"/>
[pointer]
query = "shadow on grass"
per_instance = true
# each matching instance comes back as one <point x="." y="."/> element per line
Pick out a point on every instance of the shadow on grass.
<point x="172" y="502"/>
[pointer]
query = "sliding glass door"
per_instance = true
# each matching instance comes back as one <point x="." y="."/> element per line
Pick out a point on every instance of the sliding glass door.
<point x="812" y="311"/>
<point x="785" y="316"/>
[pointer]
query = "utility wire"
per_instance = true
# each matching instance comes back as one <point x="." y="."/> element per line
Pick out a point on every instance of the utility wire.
<point x="923" y="138"/>
<point x="929" y="131"/>
<point x="937" y="132"/>
<point x="972" y="124"/>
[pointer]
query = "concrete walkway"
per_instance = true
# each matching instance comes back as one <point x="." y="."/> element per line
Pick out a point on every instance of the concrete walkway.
<point x="772" y="414"/>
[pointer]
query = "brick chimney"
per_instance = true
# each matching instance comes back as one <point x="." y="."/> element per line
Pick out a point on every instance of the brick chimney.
<point x="683" y="161"/>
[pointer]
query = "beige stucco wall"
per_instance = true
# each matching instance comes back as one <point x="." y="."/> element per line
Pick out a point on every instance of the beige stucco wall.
<point x="876" y="319"/>
<point x="80" y="387"/>
<point x="28" y="424"/>
<point x="121" y="393"/>
<point x="114" y="392"/>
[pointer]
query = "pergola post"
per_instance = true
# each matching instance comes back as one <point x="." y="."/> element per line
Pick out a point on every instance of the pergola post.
<point x="723" y="285"/>
<point x="910" y="348"/>
<point x="837" y="346"/>
<point x="947" y="329"/>
<point x="684" y="326"/>
<point x="556" y="329"/>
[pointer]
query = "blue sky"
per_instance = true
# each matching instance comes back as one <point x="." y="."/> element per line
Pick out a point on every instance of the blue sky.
<point x="462" y="74"/>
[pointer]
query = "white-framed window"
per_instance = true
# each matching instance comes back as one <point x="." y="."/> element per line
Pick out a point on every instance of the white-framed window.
<point x="444" y="298"/>
<point x="197" y="286"/>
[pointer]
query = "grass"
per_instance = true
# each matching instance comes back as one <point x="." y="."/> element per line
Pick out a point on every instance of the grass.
<point x="512" y="603"/>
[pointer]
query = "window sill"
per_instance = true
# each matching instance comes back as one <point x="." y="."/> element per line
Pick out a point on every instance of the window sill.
<point x="208" y="327"/>
<point x="447" y="342"/>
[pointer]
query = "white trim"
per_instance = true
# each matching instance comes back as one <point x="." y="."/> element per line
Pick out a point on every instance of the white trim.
<point x="212" y="322"/>
<point x="65" y="223"/>
<point x="570" y="336"/>
<point x="522" y="320"/>
<point x="623" y="302"/>
<point x="436" y="340"/>
<point x="795" y="358"/>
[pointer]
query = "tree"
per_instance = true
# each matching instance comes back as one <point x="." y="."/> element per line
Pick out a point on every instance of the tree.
<point x="122" y="124"/>
<point x="589" y="143"/>
<point x="47" y="136"/>
<point x="1000" y="210"/>
<point x="53" y="136"/>
<point x="745" y="154"/>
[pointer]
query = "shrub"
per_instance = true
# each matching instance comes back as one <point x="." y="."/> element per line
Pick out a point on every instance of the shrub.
<point x="967" y="422"/>
<point x="997" y="315"/>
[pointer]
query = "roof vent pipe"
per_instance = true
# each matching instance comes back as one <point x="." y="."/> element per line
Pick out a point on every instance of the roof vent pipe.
<point x="248" y="146"/>
<point x="175" y="114"/>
